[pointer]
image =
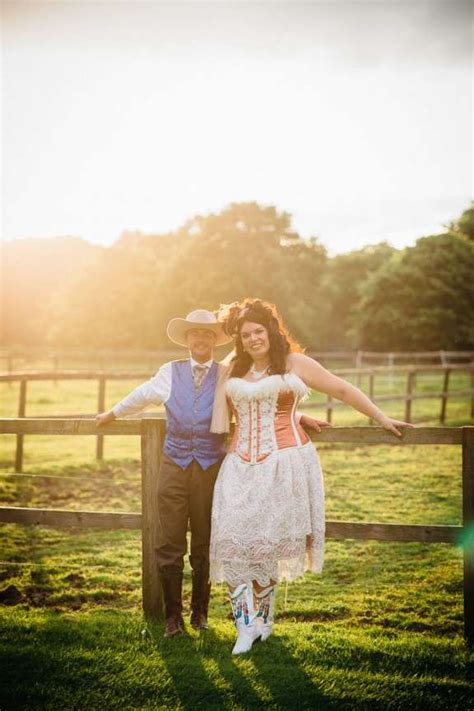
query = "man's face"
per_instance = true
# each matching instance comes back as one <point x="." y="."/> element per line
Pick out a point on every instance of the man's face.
<point x="200" y="342"/>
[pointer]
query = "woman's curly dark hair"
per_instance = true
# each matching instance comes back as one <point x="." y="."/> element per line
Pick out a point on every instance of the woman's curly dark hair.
<point x="233" y="316"/>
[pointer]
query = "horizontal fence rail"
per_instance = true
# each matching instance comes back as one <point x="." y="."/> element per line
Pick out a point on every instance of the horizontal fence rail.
<point x="111" y="520"/>
<point x="152" y="431"/>
<point x="94" y="374"/>
<point x="64" y="518"/>
<point x="349" y="435"/>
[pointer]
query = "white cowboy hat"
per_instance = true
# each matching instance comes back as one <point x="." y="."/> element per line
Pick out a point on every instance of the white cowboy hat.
<point x="200" y="318"/>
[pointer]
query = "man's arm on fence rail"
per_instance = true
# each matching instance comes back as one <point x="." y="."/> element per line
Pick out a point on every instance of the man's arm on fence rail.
<point x="153" y="392"/>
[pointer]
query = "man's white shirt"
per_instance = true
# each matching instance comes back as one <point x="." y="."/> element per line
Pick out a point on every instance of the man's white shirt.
<point x="155" y="391"/>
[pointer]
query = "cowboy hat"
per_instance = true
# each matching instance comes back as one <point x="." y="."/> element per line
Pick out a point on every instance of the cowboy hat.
<point x="200" y="318"/>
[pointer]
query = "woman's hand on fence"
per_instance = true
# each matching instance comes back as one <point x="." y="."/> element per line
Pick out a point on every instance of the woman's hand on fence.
<point x="388" y="423"/>
<point x="312" y="423"/>
<point x="104" y="418"/>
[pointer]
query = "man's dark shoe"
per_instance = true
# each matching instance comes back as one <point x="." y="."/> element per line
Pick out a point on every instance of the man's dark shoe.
<point x="199" y="621"/>
<point x="174" y="626"/>
<point x="200" y="595"/>
<point x="171" y="582"/>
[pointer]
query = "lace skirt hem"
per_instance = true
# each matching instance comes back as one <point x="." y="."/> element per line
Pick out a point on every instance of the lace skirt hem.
<point x="235" y="571"/>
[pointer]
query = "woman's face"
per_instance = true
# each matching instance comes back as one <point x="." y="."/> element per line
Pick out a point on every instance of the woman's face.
<point x="255" y="339"/>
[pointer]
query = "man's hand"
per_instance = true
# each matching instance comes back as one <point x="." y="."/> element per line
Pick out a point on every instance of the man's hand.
<point x="311" y="423"/>
<point x="104" y="418"/>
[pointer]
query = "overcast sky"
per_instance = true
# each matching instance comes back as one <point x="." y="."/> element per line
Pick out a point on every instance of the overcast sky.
<point x="356" y="117"/>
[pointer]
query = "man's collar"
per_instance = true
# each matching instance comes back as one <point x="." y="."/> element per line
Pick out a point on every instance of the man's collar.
<point x="208" y="363"/>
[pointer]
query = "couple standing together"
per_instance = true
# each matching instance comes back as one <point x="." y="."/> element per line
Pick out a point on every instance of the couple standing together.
<point x="256" y="514"/>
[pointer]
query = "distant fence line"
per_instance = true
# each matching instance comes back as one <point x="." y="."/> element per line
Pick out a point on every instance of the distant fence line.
<point x="107" y="359"/>
<point x="102" y="377"/>
<point x="444" y="357"/>
<point x="152" y="431"/>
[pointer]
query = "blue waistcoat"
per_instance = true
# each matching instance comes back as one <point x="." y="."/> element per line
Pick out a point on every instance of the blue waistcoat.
<point x="188" y="418"/>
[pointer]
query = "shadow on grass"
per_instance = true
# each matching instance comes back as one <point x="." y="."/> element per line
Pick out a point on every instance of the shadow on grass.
<point x="269" y="676"/>
<point x="101" y="660"/>
<point x="183" y="660"/>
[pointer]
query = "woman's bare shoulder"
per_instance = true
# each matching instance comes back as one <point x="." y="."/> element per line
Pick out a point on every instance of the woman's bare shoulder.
<point x="295" y="357"/>
<point x="299" y="360"/>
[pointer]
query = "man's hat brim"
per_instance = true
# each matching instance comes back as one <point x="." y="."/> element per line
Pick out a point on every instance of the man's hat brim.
<point x="178" y="327"/>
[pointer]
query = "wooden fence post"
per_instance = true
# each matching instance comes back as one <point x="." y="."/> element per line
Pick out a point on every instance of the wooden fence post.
<point x="55" y="366"/>
<point x="99" y="452"/>
<point x="371" y="391"/>
<point x="329" y="408"/>
<point x="444" y="395"/>
<point x="468" y="524"/>
<point x="19" y="437"/>
<point x="151" y="444"/>
<point x="472" y="393"/>
<point x="408" y="394"/>
<point x="391" y="362"/>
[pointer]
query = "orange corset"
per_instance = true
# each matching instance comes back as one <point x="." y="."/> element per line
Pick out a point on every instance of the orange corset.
<point x="265" y="425"/>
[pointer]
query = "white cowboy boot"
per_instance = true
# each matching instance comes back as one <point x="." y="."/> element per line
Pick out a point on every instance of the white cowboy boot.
<point x="266" y="606"/>
<point x="244" y="615"/>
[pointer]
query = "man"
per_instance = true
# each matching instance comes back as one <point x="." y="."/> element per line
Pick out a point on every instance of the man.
<point x="190" y="462"/>
<point x="191" y="459"/>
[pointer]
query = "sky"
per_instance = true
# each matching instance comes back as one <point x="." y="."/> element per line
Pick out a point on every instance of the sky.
<point x="355" y="117"/>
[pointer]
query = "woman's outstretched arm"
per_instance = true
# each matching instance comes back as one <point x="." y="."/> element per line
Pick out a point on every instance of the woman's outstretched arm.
<point x="319" y="378"/>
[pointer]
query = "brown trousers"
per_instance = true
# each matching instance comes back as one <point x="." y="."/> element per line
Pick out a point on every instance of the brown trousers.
<point x="184" y="495"/>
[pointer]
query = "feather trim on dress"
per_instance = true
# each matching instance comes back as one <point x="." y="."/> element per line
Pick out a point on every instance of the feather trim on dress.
<point x="238" y="388"/>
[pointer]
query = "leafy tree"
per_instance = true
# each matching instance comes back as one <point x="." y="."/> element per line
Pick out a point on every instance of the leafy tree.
<point x="421" y="299"/>
<point x="111" y="305"/>
<point x="142" y="281"/>
<point x="33" y="272"/>
<point x="344" y="280"/>
<point x="464" y="227"/>
<point x="248" y="250"/>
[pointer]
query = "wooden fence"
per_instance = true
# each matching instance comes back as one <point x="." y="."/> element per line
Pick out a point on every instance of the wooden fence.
<point x="106" y="359"/>
<point x="408" y="397"/>
<point x="152" y="433"/>
<point x="411" y="380"/>
<point x="391" y="358"/>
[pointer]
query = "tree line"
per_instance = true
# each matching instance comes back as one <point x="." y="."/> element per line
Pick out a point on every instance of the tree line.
<point x="67" y="292"/>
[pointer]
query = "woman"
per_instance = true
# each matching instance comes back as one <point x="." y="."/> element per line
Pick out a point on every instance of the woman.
<point x="268" y="505"/>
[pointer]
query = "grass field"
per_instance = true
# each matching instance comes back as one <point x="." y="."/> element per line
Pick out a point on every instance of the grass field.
<point x="381" y="627"/>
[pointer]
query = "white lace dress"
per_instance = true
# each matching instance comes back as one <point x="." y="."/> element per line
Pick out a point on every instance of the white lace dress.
<point x="268" y="506"/>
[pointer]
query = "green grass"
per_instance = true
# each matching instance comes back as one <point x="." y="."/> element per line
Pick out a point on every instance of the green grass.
<point x="380" y="628"/>
<point x="103" y="660"/>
